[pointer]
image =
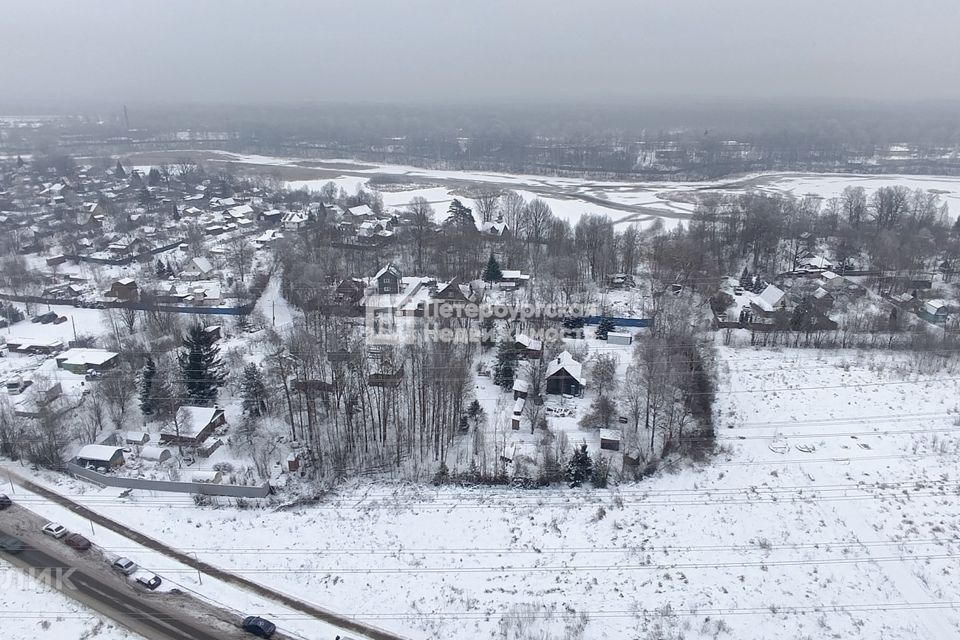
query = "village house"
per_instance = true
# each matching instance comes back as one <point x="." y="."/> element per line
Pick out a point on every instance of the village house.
<point x="124" y="289"/>
<point x="193" y="425"/>
<point x="527" y="347"/>
<point x="100" y="456"/>
<point x="388" y="280"/>
<point x="349" y="292"/>
<point x="197" y="269"/>
<point x="771" y="302"/>
<point x="81" y="361"/>
<point x="294" y="221"/>
<point x="564" y="376"/>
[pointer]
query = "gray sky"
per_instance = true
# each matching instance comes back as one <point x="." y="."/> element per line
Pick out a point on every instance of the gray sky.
<point x="497" y="51"/>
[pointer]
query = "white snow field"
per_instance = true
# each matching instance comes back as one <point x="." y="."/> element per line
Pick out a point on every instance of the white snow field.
<point x="833" y="511"/>
<point x="571" y="198"/>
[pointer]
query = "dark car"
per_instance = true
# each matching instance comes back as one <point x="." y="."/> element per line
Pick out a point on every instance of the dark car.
<point x="77" y="541"/>
<point x="59" y="319"/>
<point x="47" y="318"/>
<point x="5" y="502"/>
<point x="259" y="627"/>
<point x="9" y="544"/>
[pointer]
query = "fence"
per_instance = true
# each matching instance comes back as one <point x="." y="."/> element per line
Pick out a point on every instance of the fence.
<point x="228" y="490"/>
<point x="139" y="306"/>
<point x="621" y="322"/>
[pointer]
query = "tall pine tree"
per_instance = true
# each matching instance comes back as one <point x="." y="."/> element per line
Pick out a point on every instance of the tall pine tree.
<point x="505" y="369"/>
<point x="147" y="376"/>
<point x="253" y="391"/>
<point x="580" y="467"/>
<point x="120" y="173"/>
<point x="492" y="272"/>
<point x="200" y="366"/>
<point x="606" y="326"/>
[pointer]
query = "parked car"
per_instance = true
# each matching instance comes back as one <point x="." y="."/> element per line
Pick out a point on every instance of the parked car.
<point x="148" y="580"/>
<point x="260" y="627"/>
<point x="56" y="530"/>
<point x="48" y="317"/>
<point x="77" y="541"/>
<point x="60" y="320"/>
<point x="126" y="566"/>
<point x="9" y="544"/>
<point x="5" y="502"/>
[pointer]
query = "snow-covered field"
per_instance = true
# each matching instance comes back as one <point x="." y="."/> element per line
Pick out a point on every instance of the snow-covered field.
<point x="832" y="512"/>
<point x="571" y="198"/>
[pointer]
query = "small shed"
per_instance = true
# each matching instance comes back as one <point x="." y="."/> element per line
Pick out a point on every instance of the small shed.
<point x="138" y="438"/>
<point x="293" y="462"/>
<point x="100" y="455"/>
<point x="207" y="477"/>
<point x="155" y="454"/>
<point x="517" y="413"/>
<point x="609" y="440"/>
<point x="520" y="389"/>
<point x="619" y="337"/>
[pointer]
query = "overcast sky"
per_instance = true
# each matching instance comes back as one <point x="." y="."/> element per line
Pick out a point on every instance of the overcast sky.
<point x="497" y="51"/>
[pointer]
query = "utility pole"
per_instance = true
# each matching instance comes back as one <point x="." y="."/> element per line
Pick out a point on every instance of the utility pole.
<point x="73" y="321"/>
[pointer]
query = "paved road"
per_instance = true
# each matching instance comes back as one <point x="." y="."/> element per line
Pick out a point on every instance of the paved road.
<point x="133" y="611"/>
<point x="325" y="615"/>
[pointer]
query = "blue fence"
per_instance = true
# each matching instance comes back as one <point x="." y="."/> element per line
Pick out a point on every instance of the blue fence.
<point x="622" y="322"/>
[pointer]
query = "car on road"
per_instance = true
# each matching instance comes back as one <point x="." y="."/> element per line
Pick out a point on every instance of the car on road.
<point x="9" y="544"/>
<point x="126" y="566"/>
<point x="148" y="580"/>
<point x="260" y="627"/>
<point x="77" y="541"/>
<point x="5" y="502"/>
<point x="56" y="530"/>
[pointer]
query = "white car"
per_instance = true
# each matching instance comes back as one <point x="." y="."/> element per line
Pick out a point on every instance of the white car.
<point x="55" y="530"/>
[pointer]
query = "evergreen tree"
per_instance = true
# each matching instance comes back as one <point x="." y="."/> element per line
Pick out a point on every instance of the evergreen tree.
<point x="253" y="391"/>
<point x="145" y="196"/>
<point x="460" y="215"/>
<point x="745" y="278"/>
<point x="160" y="269"/>
<point x="200" y="366"/>
<point x="119" y="172"/>
<point x="492" y="273"/>
<point x="486" y="332"/>
<point x="176" y="213"/>
<point x="147" y="376"/>
<point x="573" y="326"/>
<point x="154" y="178"/>
<point x="20" y="162"/>
<point x="505" y="369"/>
<point x="580" y="467"/>
<point x="475" y="413"/>
<point x="606" y="326"/>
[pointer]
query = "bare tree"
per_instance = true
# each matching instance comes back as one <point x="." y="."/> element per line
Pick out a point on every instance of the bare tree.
<point x="420" y="214"/>
<point x="486" y="203"/>
<point x="240" y="255"/>
<point x="512" y="206"/>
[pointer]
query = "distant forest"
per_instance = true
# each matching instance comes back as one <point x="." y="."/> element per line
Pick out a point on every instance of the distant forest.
<point x="689" y="141"/>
